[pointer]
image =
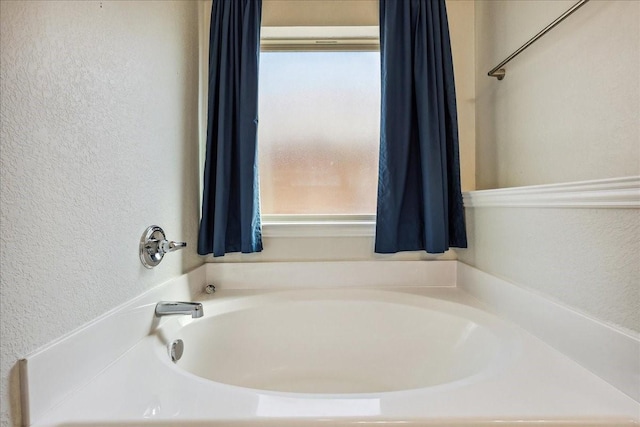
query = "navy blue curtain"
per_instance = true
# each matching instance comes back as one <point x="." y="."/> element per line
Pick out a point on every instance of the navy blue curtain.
<point x="419" y="198"/>
<point x="230" y="210"/>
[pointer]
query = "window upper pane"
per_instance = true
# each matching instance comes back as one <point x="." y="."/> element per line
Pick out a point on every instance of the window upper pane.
<point x="318" y="138"/>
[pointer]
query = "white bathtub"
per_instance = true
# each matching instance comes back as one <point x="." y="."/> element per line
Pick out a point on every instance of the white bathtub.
<point x="341" y="342"/>
<point x="423" y="356"/>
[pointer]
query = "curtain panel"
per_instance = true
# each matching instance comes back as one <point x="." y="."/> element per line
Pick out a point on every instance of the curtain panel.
<point x="230" y="206"/>
<point x="419" y="197"/>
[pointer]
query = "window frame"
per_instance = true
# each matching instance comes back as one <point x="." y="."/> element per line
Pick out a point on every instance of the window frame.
<point x="319" y="39"/>
<point x="314" y="39"/>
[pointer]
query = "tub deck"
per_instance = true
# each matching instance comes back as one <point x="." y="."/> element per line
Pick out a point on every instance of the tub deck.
<point x="539" y="386"/>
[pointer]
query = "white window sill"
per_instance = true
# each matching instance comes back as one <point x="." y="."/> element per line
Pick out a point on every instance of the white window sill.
<point x="318" y="225"/>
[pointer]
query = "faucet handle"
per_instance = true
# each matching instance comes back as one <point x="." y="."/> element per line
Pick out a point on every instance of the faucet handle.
<point x="167" y="246"/>
<point x="154" y="245"/>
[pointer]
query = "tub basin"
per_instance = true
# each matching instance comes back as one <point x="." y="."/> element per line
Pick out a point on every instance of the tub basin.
<point x="340" y="342"/>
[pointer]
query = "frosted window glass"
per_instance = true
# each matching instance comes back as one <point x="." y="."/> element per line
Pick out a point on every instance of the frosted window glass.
<point x="319" y="128"/>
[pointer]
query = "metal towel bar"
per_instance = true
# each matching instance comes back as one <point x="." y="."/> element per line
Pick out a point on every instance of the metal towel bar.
<point x="499" y="72"/>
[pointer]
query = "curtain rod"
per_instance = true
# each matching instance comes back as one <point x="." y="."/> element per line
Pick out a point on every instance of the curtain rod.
<point x="499" y="72"/>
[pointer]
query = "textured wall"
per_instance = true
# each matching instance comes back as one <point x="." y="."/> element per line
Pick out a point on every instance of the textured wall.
<point x="569" y="106"/>
<point x="588" y="259"/>
<point x="99" y="140"/>
<point x="461" y="15"/>
<point x="282" y="13"/>
<point x="567" y="110"/>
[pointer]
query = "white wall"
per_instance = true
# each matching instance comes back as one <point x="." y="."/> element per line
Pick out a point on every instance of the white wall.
<point x="461" y="16"/>
<point x="99" y="140"/>
<point x="587" y="259"/>
<point x="567" y="110"/>
<point x="569" y="106"/>
<point x="282" y="13"/>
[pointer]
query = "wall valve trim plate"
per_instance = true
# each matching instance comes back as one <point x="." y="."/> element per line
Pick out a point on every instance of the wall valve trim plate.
<point x="154" y="245"/>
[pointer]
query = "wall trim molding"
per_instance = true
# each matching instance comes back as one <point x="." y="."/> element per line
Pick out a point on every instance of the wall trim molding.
<point x="617" y="193"/>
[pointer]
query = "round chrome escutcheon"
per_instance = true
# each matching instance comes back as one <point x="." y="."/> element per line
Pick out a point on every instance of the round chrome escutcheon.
<point x="176" y="349"/>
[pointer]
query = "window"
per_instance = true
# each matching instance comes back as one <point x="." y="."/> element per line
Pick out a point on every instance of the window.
<point x="318" y="139"/>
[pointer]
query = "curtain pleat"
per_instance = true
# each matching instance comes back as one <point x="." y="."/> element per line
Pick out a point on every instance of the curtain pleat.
<point x="230" y="206"/>
<point x="419" y="197"/>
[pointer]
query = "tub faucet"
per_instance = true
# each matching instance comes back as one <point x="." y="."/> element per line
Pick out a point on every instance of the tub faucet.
<point x="154" y="246"/>
<point x="164" y="308"/>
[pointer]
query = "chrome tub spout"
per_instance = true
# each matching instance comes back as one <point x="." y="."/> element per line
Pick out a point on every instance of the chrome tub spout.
<point x="164" y="308"/>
